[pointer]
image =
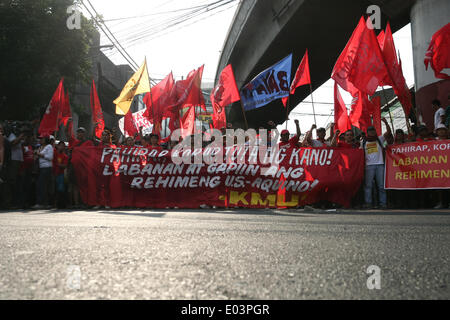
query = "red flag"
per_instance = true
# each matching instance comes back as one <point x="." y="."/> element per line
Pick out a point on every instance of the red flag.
<point x="157" y="101"/>
<point x="360" y="66"/>
<point x="361" y="111"/>
<point x="380" y="39"/>
<point x="341" y="119"/>
<point x="224" y="94"/>
<point x="184" y="94"/>
<point x="187" y="123"/>
<point x="129" y="126"/>
<point x="438" y="54"/>
<point x="97" y="114"/>
<point x="66" y="113"/>
<point x="302" y="76"/>
<point x="375" y="112"/>
<point x="188" y="93"/>
<point x="50" y="121"/>
<point x="395" y="76"/>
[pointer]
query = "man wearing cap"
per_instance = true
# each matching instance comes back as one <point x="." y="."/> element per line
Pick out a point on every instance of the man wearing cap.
<point x="286" y="141"/>
<point x="442" y="132"/>
<point x="374" y="149"/>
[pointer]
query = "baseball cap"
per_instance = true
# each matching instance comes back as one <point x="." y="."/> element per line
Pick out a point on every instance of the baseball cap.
<point x="285" y="132"/>
<point x="81" y="129"/>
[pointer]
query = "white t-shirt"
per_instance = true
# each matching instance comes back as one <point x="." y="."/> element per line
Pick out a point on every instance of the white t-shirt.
<point x="47" y="160"/>
<point x="374" y="152"/>
<point x="437" y="117"/>
<point x="319" y="144"/>
<point x="16" y="150"/>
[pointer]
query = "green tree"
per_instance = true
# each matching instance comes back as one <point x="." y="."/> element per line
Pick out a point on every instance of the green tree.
<point x="37" y="49"/>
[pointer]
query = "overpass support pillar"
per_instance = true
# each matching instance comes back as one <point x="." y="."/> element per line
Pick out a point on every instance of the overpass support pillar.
<point x="427" y="17"/>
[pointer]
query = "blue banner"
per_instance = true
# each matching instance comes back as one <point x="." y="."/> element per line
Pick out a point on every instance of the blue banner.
<point x="271" y="84"/>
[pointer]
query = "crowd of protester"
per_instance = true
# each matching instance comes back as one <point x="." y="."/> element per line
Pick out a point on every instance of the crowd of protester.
<point x="36" y="171"/>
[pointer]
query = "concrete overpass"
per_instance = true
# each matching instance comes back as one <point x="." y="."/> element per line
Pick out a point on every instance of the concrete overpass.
<point x="265" y="31"/>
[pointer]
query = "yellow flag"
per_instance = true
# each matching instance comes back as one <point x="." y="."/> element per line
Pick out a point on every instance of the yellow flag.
<point x="138" y="84"/>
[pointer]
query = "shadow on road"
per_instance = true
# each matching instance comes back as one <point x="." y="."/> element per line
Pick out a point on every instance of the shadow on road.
<point x="154" y="213"/>
<point x="138" y="213"/>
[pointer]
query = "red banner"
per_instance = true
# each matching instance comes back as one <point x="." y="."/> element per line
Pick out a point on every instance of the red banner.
<point x="420" y="165"/>
<point x="146" y="178"/>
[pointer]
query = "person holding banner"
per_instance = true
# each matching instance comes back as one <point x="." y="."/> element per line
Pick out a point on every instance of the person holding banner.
<point x="348" y="141"/>
<point x="423" y="134"/>
<point x="154" y="142"/>
<point x="286" y="141"/>
<point x="443" y="195"/>
<point x="442" y="132"/>
<point x="374" y="148"/>
<point x="129" y="142"/>
<point x="320" y="142"/>
<point x="106" y="141"/>
<point x="79" y="141"/>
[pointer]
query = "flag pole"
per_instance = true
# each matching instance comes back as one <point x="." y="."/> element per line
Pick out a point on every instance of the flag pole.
<point x="151" y="96"/>
<point x="287" y="110"/>
<point x="245" y="117"/>
<point x="389" y="109"/>
<point x="312" y="102"/>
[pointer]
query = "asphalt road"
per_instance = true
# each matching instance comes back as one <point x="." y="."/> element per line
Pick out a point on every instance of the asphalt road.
<point x="239" y="254"/>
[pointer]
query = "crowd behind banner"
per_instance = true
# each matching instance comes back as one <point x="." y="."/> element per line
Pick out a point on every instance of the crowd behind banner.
<point x="36" y="171"/>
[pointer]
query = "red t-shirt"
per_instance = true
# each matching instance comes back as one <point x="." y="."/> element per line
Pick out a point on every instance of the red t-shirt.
<point x="59" y="159"/>
<point x="73" y="143"/>
<point x="292" y="143"/>
<point x="158" y="148"/>
<point x="102" y="145"/>
<point x="28" y="158"/>
<point x="345" y="145"/>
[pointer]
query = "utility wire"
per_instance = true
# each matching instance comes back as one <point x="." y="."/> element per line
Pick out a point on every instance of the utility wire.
<point x="158" y="29"/>
<point x="117" y="44"/>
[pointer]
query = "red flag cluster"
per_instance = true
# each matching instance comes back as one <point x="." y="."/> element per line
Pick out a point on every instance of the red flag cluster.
<point x="58" y="113"/>
<point x="438" y="54"/>
<point x="395" y="77"/>
<point x="366" y="63"/>
<point x="168" y="98"/>
<point x="361" y="66"/>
